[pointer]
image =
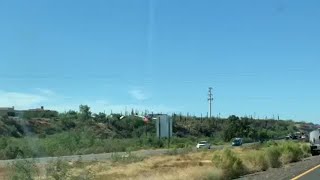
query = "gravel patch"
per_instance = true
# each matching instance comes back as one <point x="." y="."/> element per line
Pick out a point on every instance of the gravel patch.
<point x="286" y="172"/>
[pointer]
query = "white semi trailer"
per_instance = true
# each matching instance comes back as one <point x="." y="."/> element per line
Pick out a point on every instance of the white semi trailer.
<point x="314" y="139"/>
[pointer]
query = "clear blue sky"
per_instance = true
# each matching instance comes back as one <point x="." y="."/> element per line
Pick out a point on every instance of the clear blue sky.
<point x="260" y="58"/>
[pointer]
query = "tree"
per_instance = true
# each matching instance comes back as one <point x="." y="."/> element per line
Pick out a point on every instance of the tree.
<point x="101" y="117"/>
<point x="263" y="135"/>
<point x="85" y="113"/>
<point x="232" y="129"/>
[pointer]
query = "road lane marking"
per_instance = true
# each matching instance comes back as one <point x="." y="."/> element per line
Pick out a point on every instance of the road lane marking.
<point x="306" y="172"/>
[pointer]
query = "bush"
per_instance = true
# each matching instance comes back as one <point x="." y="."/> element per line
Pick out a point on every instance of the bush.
<point x="180" y="145"/>
<point x="291" y="152"/>
<point x="306" y="150"/>
<point x="212" y="175"/>
<point x="57" y="170"/>
<point x="271" y="143"/>
<point x="23" y="170"/>
<point x="60" y="169"/>
<point x="230" y="164"/>
<point x="247" y="140"/>
<point x="258" y="160"/>
<point x="42" y="135"/>
<point x="13" y="151"/>
<point x="273" y="155"/>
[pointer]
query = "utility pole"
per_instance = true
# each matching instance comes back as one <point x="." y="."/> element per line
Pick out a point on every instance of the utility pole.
<point x="168" y="120"/>
<point x="210" y="99"/>
<point x="159" y="129"/>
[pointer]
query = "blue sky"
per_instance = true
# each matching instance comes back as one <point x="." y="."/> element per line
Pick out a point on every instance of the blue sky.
<point x="261" y="58"/>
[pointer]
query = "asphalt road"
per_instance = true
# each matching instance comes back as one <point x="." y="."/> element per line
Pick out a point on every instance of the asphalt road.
<point x="311" y="174"/>
<point x="292" y="171"/>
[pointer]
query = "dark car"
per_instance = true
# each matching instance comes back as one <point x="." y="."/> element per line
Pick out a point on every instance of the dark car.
<point x="237" y="142"/>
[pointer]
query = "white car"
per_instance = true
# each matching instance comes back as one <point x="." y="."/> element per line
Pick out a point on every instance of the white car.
<point x="203" y="144"/>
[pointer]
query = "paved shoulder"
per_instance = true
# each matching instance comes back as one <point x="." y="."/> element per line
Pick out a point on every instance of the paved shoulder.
<point x="311" y="174"/>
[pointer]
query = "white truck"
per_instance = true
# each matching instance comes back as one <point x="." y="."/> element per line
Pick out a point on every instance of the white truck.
<point x="314" y="139"/>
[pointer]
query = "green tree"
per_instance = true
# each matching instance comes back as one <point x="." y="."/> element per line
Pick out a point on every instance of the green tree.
<point x="232" y="128"/>
<point x="85" y="113"/>
<point x="101" y="117"/>
<point x="263" y="135"/>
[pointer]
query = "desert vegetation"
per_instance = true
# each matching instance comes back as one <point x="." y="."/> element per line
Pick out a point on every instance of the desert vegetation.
<point x="223" y="164"/>
<point x="40" y="134"/>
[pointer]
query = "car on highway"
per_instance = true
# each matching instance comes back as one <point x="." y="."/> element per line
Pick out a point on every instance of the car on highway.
<point x="237" y="142"/>
<point x="203" y="144"/>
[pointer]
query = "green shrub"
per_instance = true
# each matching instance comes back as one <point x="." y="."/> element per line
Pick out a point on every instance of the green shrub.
<point x="271" y="143"/>
<point x="57" y="169"/>
<point x="262" y="161"/>
<point x="305" y="149"/>
<point x="273" y="155"/>
<point x="218" y="142"/>
<point x="13" y="151"/>
<point x="180" y="145"/>
<point x="247" y="140"/>
<point x="291" y="152"/>
<point x="3" y="142"/>
<point x="42" y="135"/>
<point x="23" y="170"/>
<point x="60" y="169"/>
<point x="258" y="160"/>
<point x="230" y="164"/>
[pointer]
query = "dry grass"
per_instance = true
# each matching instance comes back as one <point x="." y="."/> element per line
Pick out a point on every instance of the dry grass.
<point x="193" y="166"/>
<point x="3" y="173"/>
<point x="186" y="166"/>
<point x="206" y="165"/>
<point x="256" y="161"/>
<point x="192" y="173"/>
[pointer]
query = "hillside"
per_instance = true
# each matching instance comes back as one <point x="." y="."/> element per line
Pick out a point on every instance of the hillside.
<point x="83" y="132"/>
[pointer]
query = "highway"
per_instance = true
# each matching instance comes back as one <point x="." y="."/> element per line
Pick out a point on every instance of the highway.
<point x="311" y="174"/>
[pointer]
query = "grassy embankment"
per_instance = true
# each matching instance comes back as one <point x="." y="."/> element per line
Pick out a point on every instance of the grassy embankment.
<point x="220" y="164"/>
<point x="75" y="143"/>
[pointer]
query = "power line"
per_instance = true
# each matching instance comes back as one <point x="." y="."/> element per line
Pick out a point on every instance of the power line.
<point x="210" y="99"/>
